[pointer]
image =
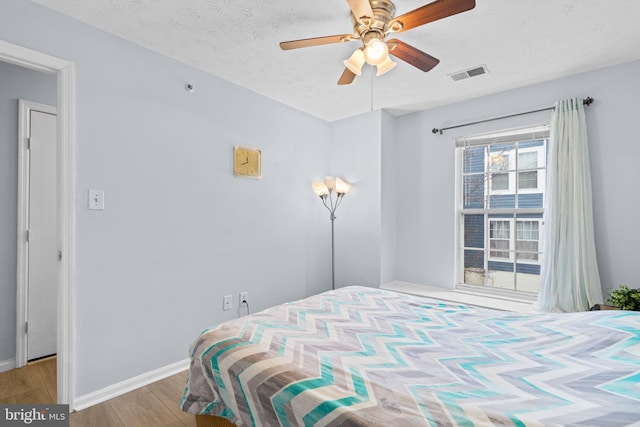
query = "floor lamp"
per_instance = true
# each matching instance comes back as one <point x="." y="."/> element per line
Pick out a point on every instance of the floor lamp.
<point x="325" y="190"/>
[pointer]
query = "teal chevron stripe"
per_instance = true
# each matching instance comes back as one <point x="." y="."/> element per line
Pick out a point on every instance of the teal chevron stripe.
<point x="628" y="386"/>
<point x="259" y="331"/>
<point x="281" y="399"/>
<point x="391" y="347"/>
<point x="619" y="351"/>
<point x="449" y="401"/>
<point x="215" y="357"/>
<point x="326" y="408"/>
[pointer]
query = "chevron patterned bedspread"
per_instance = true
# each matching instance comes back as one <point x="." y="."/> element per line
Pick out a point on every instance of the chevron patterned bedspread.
<point x="361" y="356"/>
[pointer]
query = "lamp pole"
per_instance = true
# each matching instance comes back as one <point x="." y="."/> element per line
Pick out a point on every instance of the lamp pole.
<point x="324" y="190"/>
<point x="333" y="253"/>
<point x="331" y="206"/>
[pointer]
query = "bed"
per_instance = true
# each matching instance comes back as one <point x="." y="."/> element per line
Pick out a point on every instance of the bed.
<point x="361" y="356"/>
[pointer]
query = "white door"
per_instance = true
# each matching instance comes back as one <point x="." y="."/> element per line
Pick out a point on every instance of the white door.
<point x="42" y="236"/>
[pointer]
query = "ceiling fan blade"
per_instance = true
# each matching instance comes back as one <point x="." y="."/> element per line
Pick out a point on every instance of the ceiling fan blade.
<point x="430" y="12"/>
<point x="360" y="9"/>
<point x="411" y="55"/>
<point x="347" y="77"/>
<point x="316" y="41"/>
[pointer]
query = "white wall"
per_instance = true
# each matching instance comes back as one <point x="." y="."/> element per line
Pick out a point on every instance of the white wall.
<point x="426" y="171"/>
<point x="15" y="83"/>
<point x="179" y="231"/>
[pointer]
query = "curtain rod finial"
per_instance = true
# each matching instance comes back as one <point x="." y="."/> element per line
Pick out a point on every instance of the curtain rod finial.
<point x="436" y="130"/>
<point x="587" y="101"/>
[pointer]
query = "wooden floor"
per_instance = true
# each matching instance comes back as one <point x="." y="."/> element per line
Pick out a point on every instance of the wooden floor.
<point x="34" y="383"/>
<point x="155" y="405"/>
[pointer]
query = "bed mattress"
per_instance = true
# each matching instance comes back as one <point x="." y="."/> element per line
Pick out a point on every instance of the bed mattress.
<point x="361" y="356"/>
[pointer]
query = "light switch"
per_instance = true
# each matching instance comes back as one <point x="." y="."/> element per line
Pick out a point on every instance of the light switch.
<point x="96" y="200"/>
<point x="226" y="302"/>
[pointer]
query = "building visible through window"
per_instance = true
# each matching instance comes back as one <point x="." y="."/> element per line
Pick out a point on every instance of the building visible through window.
<point x="500" y="208"/>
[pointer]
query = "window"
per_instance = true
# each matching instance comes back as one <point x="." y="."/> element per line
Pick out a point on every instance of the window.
<point x="528" y="160"/>
<point x="528" y="240"/>
<point x="525" y="238"/>
<point x="500" y="209"/>
<point x="499" y="181"/>
<point x="504" y="168"/>
<point x="499" y="239"/>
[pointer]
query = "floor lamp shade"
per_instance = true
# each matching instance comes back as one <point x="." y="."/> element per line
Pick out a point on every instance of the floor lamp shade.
<point x="320" y="188"/>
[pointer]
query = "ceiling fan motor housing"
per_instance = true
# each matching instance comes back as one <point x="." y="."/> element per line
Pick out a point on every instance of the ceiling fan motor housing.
<point x="383" y="13"/>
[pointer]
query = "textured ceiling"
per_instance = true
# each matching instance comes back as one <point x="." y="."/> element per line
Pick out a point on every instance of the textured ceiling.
<point x="520" y="41"/>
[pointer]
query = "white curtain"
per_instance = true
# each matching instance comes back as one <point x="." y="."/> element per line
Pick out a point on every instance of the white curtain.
<point x="569" y="279"/>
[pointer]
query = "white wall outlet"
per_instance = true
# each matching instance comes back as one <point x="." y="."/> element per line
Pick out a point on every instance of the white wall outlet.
<point x="96" y="200"/>
<point x="244" y="297"/>
<point x="226" y="302"/>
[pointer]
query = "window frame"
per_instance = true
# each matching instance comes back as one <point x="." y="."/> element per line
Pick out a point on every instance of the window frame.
<point x="511" y="241"/>
<point x="540" y="241"/>
<point x="513" y="215"/>
<point x="513" y="172"/>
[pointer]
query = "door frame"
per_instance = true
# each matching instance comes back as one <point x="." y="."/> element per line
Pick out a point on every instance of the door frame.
<point x="66" y="175"/>
<point x="24" y="190"/>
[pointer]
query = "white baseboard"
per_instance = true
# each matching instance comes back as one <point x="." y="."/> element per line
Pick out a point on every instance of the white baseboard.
<point x="115" y="390"/>
<point x="7" y="365"/>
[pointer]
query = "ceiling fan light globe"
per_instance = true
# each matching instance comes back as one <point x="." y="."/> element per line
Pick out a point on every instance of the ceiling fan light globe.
<point x="385" y="66"/>
<point x="355" y="62"/>
<point x="375" y="52"/>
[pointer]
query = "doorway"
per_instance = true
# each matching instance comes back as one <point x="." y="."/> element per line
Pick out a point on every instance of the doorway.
<point x="37" y="233"/>
<point x="65" y="203"/>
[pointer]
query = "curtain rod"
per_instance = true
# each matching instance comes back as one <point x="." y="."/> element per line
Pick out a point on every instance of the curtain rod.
<point x="586" y="101"/>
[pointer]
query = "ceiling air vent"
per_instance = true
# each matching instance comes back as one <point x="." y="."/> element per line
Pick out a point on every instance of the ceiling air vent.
<point x="472" y="72"/>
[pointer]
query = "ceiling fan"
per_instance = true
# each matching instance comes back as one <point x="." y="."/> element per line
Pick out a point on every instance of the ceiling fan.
<point x="373" y="21"/>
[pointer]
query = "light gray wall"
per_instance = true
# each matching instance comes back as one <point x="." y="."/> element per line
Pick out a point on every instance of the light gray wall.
<point x="178" y="231"/>
<point x="356" y="156"/>
<point x="426" y="171"/>
<point x="388" y="214"/>
<point x="15" y="83"/>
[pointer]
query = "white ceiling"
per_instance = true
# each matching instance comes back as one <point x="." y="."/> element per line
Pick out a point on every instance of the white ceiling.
<point x="520" y="41"/>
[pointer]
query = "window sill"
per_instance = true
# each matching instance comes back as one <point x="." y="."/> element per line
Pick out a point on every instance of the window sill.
<point x="464" y="297"/>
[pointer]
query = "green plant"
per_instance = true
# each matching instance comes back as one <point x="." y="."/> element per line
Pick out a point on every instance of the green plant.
<point x="625" y="298"/>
